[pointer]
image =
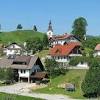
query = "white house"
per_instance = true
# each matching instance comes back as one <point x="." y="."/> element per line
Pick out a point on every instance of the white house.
<point x="14" y="49"/>
<point x="62" y="39"/>
<point x="63" y="53"/>
<point x="23" y="66"/>
<point x="97" y="50"/>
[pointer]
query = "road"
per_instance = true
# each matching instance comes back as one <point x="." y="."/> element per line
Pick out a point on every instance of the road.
<point x="24" y="90"/>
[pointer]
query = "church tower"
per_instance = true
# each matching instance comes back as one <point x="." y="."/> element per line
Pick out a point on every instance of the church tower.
<point x="50" y="30"/>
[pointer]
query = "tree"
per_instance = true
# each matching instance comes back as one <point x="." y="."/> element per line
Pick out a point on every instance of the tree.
<point x="79" y="28"/>
<point x="0" y="28"/>
<point x="19" y="26"/>
<point x="34" y="45"/>
<point x="53" y="68"/>
<point x="9" y="74"/>
<point x="6" y="74"/>
<point x="34" y="28"/>
<point x="91" y="84"/>
<point x="45" y="40"/>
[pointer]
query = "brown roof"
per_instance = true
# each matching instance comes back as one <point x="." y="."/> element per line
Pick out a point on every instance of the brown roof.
<point x="25" y="59"/>
<point x="39" y="75"/>
<point x="97" y="47"/>
<point x="6" y="63"/>
<point x="61" y="37"/>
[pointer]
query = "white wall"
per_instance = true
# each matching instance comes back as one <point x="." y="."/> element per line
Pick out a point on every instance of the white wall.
<point x="26" y="74"/>
<point x="14" y="49"/>
<point x="49" y="33"/>
<point x="14" y="46"/>
<point x="27" y="71"/>
<point x="84" y="65"/>
<point x="72" y="39"/>
<point x="62" y="59"/>
<point x="97" y="53"/>
<point x="12" y="52"/>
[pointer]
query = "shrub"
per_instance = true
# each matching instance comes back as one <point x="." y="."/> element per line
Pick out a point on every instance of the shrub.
<point x="6" y="74"/>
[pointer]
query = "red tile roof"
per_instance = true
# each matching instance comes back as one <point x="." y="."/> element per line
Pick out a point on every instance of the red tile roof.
<point x="63" y="50"/>
<point x="97" y="47"/>
<point x="61" y="37"/>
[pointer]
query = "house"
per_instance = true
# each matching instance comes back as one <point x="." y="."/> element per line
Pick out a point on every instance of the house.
<point x="14" y="49"/>
<point x="59" y="39"/>
<point x="62" y="39"/>
<point x="63" y="53"/>
<point x="97" y="50"/>
<point x="23" y="66"/>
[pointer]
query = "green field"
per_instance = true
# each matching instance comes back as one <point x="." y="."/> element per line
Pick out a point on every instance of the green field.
<point x="72" y="76"/>
<point x="43" y="53"/>
<point x="18" y="36"/>
<point x="4" y="96"/>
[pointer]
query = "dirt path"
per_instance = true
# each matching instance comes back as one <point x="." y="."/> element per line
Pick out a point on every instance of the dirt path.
<point x="23" y="89"/>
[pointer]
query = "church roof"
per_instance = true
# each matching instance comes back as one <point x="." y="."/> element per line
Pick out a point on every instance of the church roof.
<point x="50" y="26"/>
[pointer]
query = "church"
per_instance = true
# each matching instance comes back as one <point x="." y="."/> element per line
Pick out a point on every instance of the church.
<point x="59" y="39"/>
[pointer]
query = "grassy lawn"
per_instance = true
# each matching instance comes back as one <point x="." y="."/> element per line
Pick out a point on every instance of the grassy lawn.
<point x="4" y="96"/>
<point x="43" y="53"/>
<point x="19" y="36"/>
<point x="73" y="76"/>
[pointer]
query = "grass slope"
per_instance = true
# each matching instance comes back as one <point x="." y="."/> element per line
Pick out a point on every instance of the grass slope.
<point x="4" y="96"/>
<point x="43" y="53"/>
<point x="73" y="76"/>
<point x="19" y="36"/>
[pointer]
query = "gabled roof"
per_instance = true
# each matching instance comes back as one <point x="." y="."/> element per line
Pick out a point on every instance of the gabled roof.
<point x="61" y="37"/>
<point x="12" y="44"/>
<point x="23" y="58"/>
<point x="39" y="75"/>
<point x="97" y="47"/>
<point x="6" y="63"/>
<point x="63" y="50"/>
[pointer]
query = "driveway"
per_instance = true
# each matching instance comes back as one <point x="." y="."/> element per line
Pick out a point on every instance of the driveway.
<point x="24" y="89"/>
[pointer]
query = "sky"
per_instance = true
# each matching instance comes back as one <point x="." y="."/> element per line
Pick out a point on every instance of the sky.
<point x="62" y="13"/>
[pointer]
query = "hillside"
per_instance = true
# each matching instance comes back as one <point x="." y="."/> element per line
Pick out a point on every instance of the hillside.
<point x="74" y="76"/>
<point x="19" y="36"/>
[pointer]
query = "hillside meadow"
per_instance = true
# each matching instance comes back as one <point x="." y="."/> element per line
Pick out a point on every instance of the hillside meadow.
<point x="19" y="36"/>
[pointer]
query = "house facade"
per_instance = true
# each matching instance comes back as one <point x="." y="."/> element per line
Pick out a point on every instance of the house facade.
<point x="62" y="39"/>
<point x="97" y="50"/>
<point x="14" y="49"/>
<point x="63" y="53"/>
<point x="23" y="66"/>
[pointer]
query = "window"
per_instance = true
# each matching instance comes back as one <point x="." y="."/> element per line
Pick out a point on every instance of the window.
<point x="21" y="71"/>
<point x="24" y="71"/>
<point x="64" y="57"/>
<point x="58" y="57"/>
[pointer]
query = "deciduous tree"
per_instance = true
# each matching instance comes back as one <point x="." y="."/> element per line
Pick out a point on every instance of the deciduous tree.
<point x="79" y="28"/>
<point x="45" y="40"/>
<point x="34" y="28"/>
<point x="34" y="44"/>
<point x="19" y="26"/>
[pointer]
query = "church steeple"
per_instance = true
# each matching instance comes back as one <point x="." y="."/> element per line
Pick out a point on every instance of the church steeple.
<point x="50" y="30"/>
<point x="50" y="26"/>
